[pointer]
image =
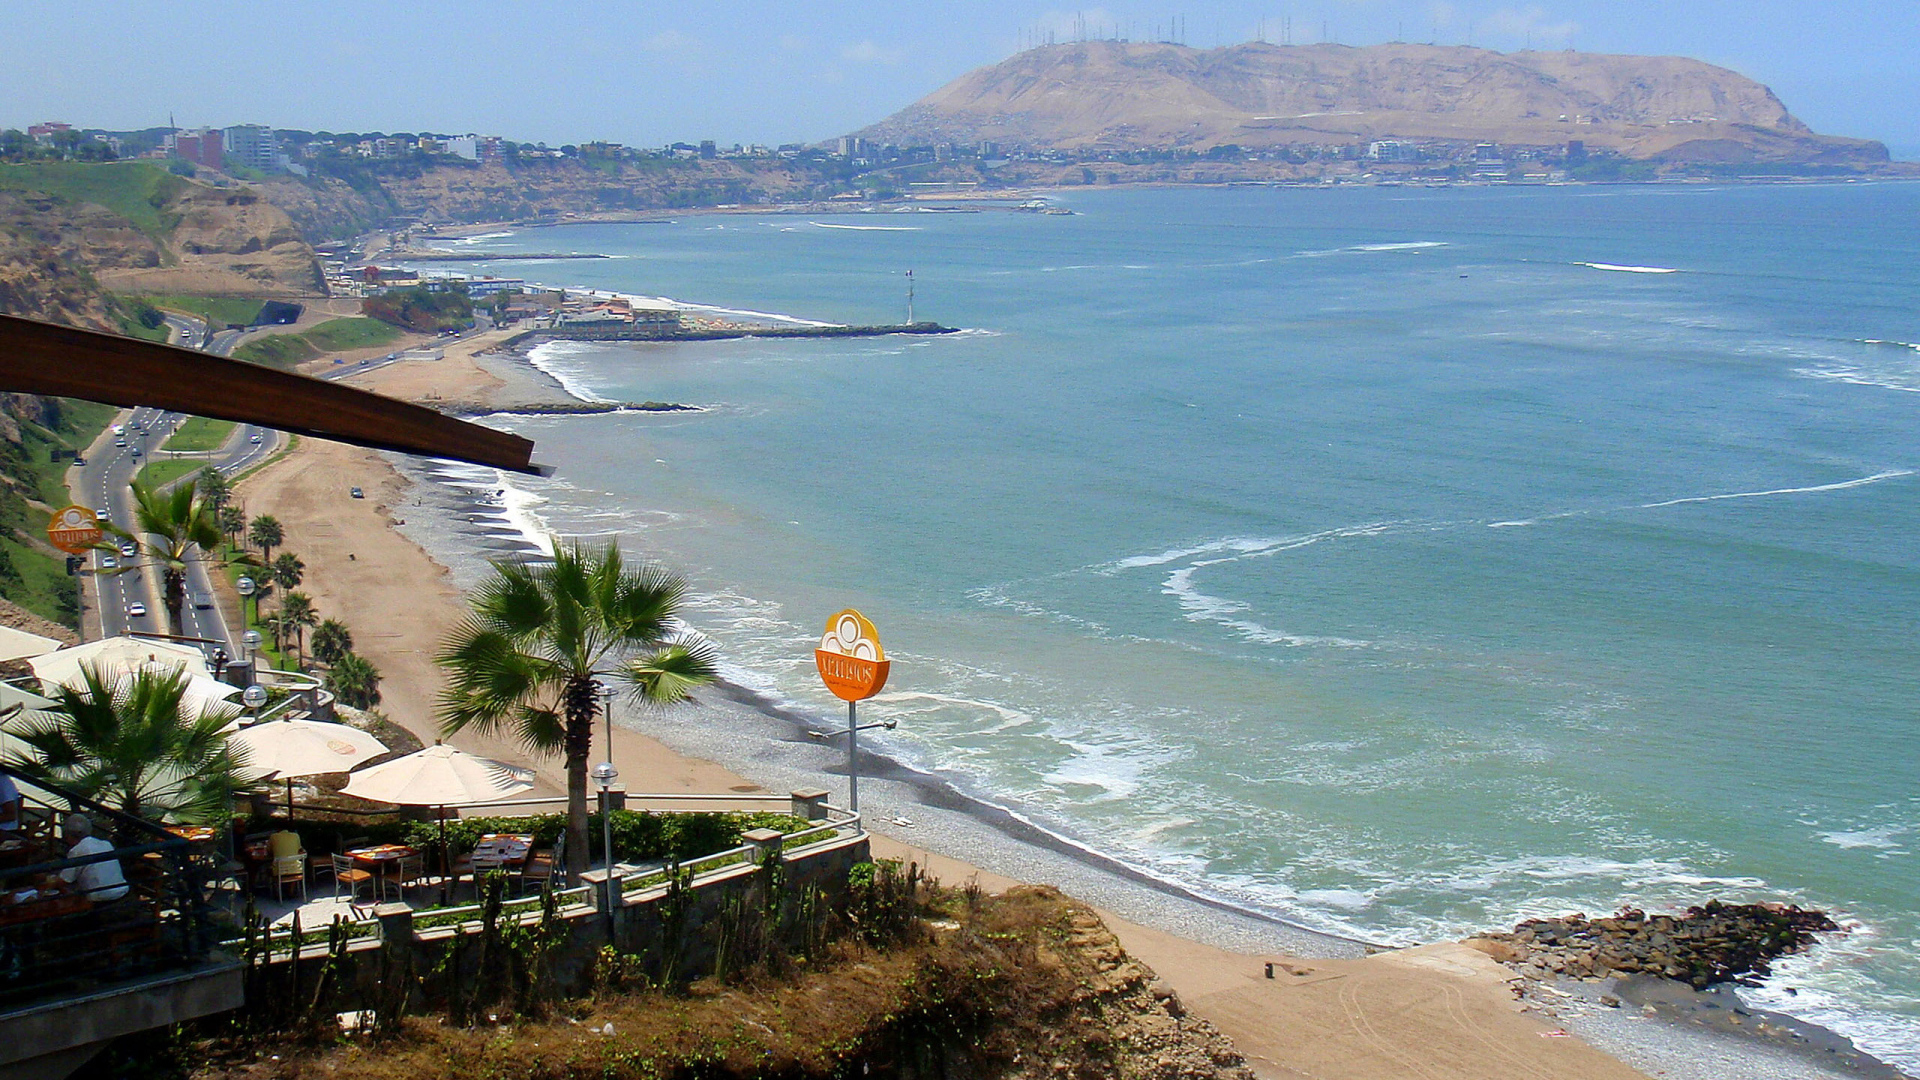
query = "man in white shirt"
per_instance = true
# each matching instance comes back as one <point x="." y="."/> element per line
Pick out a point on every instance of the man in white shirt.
<point x="100" y="881"/>
<point x="9" y="804"/>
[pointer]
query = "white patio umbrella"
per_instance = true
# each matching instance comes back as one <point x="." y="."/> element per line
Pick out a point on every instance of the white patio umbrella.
<point x="21" y="645"/>
<point x="290" y="748"/>
<point x="117" y="656"/>
<point x="439" y="776"/>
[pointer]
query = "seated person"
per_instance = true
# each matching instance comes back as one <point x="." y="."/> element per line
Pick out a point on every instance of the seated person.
<point x="101" y="881"/>
<point x="9" y="804"/>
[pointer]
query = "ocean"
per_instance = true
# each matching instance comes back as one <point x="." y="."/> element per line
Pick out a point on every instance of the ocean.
<point x="1402" y="562"/>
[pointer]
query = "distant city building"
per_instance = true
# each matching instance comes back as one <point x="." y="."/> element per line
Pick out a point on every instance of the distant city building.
<point x="478" y="287"/>
<point x="1576" y="152"/>
<point x="989" y="149"/>
<point x="200" y="146"/>
<point x="852" y="146"/>
<point x="464" y="146"/>
<point x="1393" y="151"/>
<point x="44" y="133"/>
<point x="252" y="145"/>
<point x="707" y="149"/>
<point x="491" y="149"/>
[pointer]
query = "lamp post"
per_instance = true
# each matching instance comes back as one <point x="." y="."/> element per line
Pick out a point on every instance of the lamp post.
<point x="604" y="774"/>
<point x="245" y="587"/>
<point x="852" y="733"/>
<point x="251" y="639"/>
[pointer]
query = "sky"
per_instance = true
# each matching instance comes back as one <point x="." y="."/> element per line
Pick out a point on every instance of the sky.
<point x="645" y="74"/>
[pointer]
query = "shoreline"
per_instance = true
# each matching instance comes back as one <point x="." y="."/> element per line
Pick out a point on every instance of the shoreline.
<point x="1196" y="941"/>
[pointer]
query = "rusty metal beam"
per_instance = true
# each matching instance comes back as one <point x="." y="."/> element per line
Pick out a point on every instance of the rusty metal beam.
<point x="42" y="358"/>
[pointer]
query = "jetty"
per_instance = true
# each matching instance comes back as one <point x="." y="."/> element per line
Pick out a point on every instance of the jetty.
<point x="671" y="331"/>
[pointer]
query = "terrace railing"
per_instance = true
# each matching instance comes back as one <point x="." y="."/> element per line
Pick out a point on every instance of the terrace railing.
<point x="60" y="938"/>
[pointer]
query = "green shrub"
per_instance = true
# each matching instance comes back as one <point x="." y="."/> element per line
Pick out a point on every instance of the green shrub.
<point x="638" y="835"/>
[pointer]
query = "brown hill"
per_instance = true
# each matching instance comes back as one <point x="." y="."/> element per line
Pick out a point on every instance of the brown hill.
<point x="1117" y="95"/>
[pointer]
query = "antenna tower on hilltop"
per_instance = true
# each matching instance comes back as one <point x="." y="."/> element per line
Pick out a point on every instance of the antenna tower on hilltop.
<point x="909" y="298"/>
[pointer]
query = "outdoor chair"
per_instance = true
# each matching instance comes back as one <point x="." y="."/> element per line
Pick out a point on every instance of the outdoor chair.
<point x="545" y="866"/>
<point x="408" y="870"/>
<point x="346" y="873"/>
<point x="287" y="869"/>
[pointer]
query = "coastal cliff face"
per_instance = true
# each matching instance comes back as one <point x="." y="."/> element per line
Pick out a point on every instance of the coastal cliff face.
<point x="47" y="247"/>
<point x="543" y="191"/>
<point x="1119" y="95"/>
<point x="224" y="242"/>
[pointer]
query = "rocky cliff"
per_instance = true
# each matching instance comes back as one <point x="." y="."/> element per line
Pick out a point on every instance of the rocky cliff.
<point x="1119" y="95"/>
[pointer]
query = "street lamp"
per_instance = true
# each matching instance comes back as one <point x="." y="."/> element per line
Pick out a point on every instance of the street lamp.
<point x="251" y="639"/>
<point x="604" y="774"/>
<point x="853" y="751"/>
<point x="253" y="697"/>
<point x="245" y="587"/>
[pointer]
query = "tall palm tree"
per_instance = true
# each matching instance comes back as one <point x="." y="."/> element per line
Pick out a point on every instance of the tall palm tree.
<point x="215" y="487"/>
<point x="296" y="615"/>
<point x="331" y="641"/>
<point x="266" y="534"/>
<point x="175" y="528"/>
<point x="131" y="744"/>
<point x="528" y="657"/>
<point x="356" y="681"/>
<point x="233" y="522"/>
<point x="277" y="625"/>
<point x="286" y="570"/>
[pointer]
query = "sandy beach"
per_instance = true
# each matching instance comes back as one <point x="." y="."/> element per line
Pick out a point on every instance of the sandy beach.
<point x="1330" y="1010"/>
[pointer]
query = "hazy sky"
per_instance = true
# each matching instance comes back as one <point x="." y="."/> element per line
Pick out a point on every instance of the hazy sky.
<point x="646" y="73"/>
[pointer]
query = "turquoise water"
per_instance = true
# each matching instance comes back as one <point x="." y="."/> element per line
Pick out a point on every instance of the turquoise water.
<point x="1361" y="555"/>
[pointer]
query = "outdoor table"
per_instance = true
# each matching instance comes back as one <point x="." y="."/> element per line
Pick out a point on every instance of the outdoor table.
<point x="501" y="851"/>
<point x="45" y="902"/>
<point x="383" y="860"/>
<point x="193" y="834"/>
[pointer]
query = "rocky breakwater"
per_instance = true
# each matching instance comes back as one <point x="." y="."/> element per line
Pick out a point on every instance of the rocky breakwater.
<point x="1712" y="943"/>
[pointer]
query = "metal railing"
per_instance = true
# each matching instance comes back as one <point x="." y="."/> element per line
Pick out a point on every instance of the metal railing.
<point x="66" y="928"/>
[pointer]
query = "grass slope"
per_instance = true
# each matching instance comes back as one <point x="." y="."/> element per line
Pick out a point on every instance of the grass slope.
<point x="334" y="335"/>
<point x="133" y="189"/>
<point x="199" y="433"/>
<point x="224" y="311"/>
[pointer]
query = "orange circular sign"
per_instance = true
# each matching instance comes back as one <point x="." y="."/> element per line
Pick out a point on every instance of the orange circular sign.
<point x="74" y="530"/>
<point x="850" y="659"/>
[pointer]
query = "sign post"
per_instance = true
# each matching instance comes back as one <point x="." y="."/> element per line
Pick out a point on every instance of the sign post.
<point x="74" y="530"/>
<point x="854" y="667"/>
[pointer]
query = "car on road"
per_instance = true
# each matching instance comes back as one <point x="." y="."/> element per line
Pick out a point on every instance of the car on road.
<point x="136" y="610"/>
<point x="119" y="429"/>
<point x="120" y="442"/>
<point x="127" y="549"/>
<point x="255" y="438"/>
<point x="356" y="493"/>
<point x="133" y="451"/>
<point x="108" y="562"/>
<point x="78" y="460"/>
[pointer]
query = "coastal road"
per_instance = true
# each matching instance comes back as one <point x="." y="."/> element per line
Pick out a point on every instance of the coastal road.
<point x="114" y="459"/>
<point x="102" y="483"/>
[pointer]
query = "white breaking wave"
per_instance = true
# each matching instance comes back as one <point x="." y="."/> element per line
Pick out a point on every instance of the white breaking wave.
<point x="1841" y="486"/>
<point x="866" y="228"/>
<point x="1617" y="268"/>
<point x="547" y="355"/>
<point x="1411" y="245"/>
<point x="1894" y="344"/>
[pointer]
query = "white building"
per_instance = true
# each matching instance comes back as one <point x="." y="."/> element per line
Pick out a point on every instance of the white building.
<point x="464" y="146"/>
<point x="252" y="145"/>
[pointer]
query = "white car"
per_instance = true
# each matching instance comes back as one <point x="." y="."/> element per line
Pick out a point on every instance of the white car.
<point x="255" y="438"/>
<point x="108" y="562"/>
<point x="127" y="550"/>
<point x="136" y="610"/>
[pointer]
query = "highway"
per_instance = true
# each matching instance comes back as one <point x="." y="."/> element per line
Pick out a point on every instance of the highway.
<point x="113" y="460"/>
<point x="101" y="483"/>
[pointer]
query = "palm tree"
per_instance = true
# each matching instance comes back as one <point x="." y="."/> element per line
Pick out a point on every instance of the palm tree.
<point x="266" y="534"/>
<point x="529" y="655"/>
<point x="130" y="744"/>
<point x="215" y="486"/>
<point x="175" y="527"/>
<point x="354" y="680"/>
<point x="279" y="627"/>
<point x="233" y="522"/>
<point x="286" y="570"/>
<point x="331" y="641"/>
<point x="296" y="615"/>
